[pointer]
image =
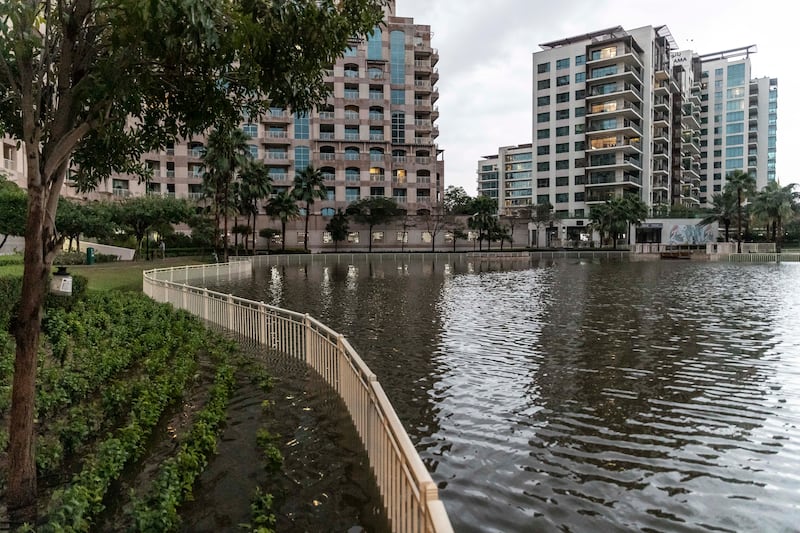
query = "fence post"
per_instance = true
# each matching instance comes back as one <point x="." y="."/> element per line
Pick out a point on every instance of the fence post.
<point x="262" y="323"/>
<point x="307" y="340"/>
<point x="205" y="304"/>
<point x="184" y="295"/>
<point x="230" y="312"/>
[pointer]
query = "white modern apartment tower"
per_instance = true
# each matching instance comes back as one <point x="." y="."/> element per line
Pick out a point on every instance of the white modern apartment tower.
<point x="507" y="176"/>
<point x="739" y="120"/>
<point x="620" y="112"/>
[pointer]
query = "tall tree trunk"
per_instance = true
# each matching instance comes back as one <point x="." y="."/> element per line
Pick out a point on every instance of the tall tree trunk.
<point x="283" y="236"/>
<point x="305" y="235"/>
<point x="40" y="246"/>
<point x="370" y="240"/>
<point x="225" y="233"/>
<point x="739" y="221"/>
<point x="779" y="237"/>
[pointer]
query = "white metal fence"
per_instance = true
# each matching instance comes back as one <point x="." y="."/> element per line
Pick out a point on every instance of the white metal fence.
<point x="409" y="494"/>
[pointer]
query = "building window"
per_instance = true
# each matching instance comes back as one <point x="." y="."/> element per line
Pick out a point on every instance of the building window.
<point x="562" y="80"/>
<point x="398" y="96"/>
<point x="543" y="100"/>
<point x="543" y="84"/>
<point x="580" y="128"/>
<point x="375" y="45"/>
<point x="561" y="131"/>
<point x="302" y="158"/>
<point x="580" y="77"/>
<point x="427" y="237"/>
<point x="580" y="60"/>
<point x="251" y="130"/>
<point x="397" y="53"/>
<point x="352" y="237"/>
<point x="580" y="146"/>
<point x="580" y="111"/>
<point x="562" y="97"/>
<point x="543" y="134"/>
<point x="562" y="164"/>
<point x="562" y="181"/>
<point x="562" y="114"/>
<point x="579" y="197"/>
<point x="398" y="127"/>
<point x="543" y="166"/>
<point x="562" y="197"/>
<point x="351" y="194"/>
<point x="377" y="236"/>
<point x="541" y="68"/>
<point x="562" y="64"/>
<point x="543" y="183"/>
<point x="301" y="129"/>
<point x="543" y="150"/>
<point x="562" y="148"/>
<point x="543" y="117"/>
<point x="580" y="94"/>
<point x="580" y="180"/>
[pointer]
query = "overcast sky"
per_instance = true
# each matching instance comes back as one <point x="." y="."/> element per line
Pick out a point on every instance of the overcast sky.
<point x="485" y="61"/>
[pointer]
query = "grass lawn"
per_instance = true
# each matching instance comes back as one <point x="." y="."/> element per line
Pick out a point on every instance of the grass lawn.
<point x="122" y="275"/>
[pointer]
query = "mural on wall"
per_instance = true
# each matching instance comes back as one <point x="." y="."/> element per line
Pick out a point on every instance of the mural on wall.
<point x="690" y="234"/>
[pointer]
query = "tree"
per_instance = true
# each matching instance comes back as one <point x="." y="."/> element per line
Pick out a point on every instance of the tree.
<point x="269" y="234"/>
<point x="102" y="82"/>
<point x="744" y="185"/>
<point x="541" y="215"/>
<point x="13" y="205"/>
<point x="483" y="218"/>
<point x="226" y="153"/>
<point x="616" y="215"/>
<point x="91" y="219"/>
<point x="338" y="227"/>
<point x="283" y="207"/>
<point x="775" y="204"/>
<point x="457" y="201"/>
<point x="374" y="211"/>
<point x="255" y="186"/>
<point x="435" y="220"/>
<point x="723" y="211"/>
<point x="458" y="233"/>
<point x="309" y="185"/>
<point x="139" y="215"/>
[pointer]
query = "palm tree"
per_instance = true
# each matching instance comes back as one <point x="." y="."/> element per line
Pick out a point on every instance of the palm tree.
<point x="226" y="153"/>
<point x="744" y="184"/>
<point x="616" y="216"/>
<point x="256" y="185"/>
<point x="723" y="210"/>
<point x="775" y="204"/>
<point x="283" y="207"/>
<point x="309" y="185"/>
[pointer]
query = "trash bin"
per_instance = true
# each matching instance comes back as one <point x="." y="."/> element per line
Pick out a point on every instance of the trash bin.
<point x="90" y="256"/>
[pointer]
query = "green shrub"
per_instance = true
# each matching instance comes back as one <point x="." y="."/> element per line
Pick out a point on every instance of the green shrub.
<point x="10" y="289"/>
<point x="12" y="259"/>
<point x="106" y="258"/>
<point x="70" y="258"/>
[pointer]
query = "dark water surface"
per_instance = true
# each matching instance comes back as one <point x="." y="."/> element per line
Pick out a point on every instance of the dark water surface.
<point x="577" y="395"/>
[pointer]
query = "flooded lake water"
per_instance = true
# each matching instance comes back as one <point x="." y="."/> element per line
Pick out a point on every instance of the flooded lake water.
<point x="577" y="395"/>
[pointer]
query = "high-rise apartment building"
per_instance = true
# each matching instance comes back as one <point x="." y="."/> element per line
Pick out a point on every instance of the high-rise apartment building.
<point x="739" y="120"/>
<point x="375" y="136"/>
<point x="625" y="112"/>
<point x="508" y="175"/>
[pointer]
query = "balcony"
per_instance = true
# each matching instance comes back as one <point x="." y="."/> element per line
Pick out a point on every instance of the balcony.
<point x="661" y="135"/>
<point x="624" y="54"/>
<point x="277" y="115"/>
<point x="327" y="135"/>
<point x="612" y="162"/>
<point x="613" y="72"/>
<point x="620" y="126"/>
<point x="277" y="134"/>
<point x="351" y="136"/>
<point x="662" y="104"/>
<point x="611" y="177"/>
<point x="613" y="109"/>
<point x="422" y="160"/>
<point x="327" y="156"/>
<point x="376" y="137"/>
<point x="661" y="152"/>
<point x="376" y="117"/>
<point x="196" y="195"/>
<point x="662" y="89"/>
<point x="626" y="91"/>
<point x="422" y="124"/>
<point x="612" y="144"/>
<point x="327" y="115"/>
<point x="279" y="176"/>
<point x="9" y="164"/>
<point x="661" y="120"/>
<point x="691" y="122"/>
<point x="276" y="156"/>
<point x="123" y="193"/>
<point x="422" y="86"/>
<point x="661" y="183"/>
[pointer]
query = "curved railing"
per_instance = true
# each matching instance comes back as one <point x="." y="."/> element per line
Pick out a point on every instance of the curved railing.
<point x="409" y="494"/>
